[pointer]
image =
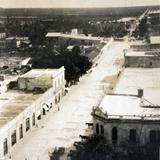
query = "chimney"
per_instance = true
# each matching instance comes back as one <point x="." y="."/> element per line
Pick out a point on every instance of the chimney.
<point x="140" y="93"/>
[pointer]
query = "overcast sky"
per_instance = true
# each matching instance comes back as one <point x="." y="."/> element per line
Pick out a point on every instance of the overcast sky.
<point x="74" y="3"/>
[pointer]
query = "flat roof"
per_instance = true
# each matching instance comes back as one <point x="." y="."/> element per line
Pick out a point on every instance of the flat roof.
<point x="82" y="37"/>
<point x="132" y="79"/>
<point x="127" y="106"/>
<point x="12" y="103"/>
<point x="137" y="43"/>
<point x="142" y="53"/>
<point x="12" y="60"/>
<point x="34" y="73"/>
<point x="155" y="39"/>
<point x="154" y="11"/>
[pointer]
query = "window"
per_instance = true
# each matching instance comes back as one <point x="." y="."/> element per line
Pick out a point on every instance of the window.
<point x="59" y="82"/>
<point x="150" y="63"/>
<point x="114" y="135"/>
<point x="102" y="130"/>
<point x="55" y="85"/>
<point x="59" y="97"/>
<point x="155" y="136"/>
<point x="13" y="138"/>
<point x="33" y="119"/>
<point x="5" y="147"/>
<point x="132" y="135"/>
<point x="21" y="131"/>
<point x="27" y="124"/>
<point x="97" y="128"/>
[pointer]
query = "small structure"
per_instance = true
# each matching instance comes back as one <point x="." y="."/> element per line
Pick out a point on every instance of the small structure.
<point x="154" y="42"/>
<point x="127" y="120"/>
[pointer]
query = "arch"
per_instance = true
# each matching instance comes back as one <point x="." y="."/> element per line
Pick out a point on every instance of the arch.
<point x="114" y="135"/>
<point x="33" y="119"/>
<point x="102" y="129"/>
<point x="97" y="128"/>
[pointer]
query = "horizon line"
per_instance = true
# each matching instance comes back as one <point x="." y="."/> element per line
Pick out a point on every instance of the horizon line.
<point x="78" y="7"/>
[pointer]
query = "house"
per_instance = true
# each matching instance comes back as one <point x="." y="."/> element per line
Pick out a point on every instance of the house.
<point x="145" y="59"/>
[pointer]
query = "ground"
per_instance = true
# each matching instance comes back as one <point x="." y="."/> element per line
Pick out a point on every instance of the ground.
<point x="63" y="127"/>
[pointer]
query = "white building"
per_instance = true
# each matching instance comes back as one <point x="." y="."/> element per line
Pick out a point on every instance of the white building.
<point x="10" y="70"/>
<point x="20" y="111"/>
<point x="2" y="35"/>
<point x="125" y="117"/>
<point x="127" y="120"/>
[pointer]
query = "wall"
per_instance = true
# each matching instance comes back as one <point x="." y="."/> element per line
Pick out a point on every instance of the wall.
<point x="142" y="131"/>
<point x="144" y="62"/>
<point x="53" y="95"/>
<point x="59" y="84"/>
<point x="35" y="108"/>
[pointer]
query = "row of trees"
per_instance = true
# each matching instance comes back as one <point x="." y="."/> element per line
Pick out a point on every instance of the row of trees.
<point x="37" y="29"/>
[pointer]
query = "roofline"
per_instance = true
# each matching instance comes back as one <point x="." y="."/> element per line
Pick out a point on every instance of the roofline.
<point x="127" y="120"/>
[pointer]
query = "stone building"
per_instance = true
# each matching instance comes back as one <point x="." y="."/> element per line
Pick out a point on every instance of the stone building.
<point x="127" y="119"/>
<point x="21" y="109"/>
<point x="145" y="59"/>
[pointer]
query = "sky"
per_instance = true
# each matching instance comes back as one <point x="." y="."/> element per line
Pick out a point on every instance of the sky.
<point x="74" y="3"/>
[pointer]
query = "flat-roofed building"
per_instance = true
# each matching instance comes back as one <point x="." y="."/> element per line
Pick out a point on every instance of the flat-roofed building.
<point x="127" y="120"/>
<point x="145" y="59"/>
<point x="20" y="110"/>
<point x="155" y="41"/>
<point x="131" y="115"/>
<point x="10" y="70"/>
<point x="13" y="62"/>
<point x="131" y="79"/>
<point x="139" y="45"/>
<point x="42" y="79"/>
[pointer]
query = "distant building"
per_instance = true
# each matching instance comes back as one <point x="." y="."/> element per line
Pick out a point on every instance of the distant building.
<point x="2" y="35"/>
<point x="15" y="42"/>
<point x="10" y="70"/>
<point x="74" y="31"/>
<point x="127" y="120"/>
<point x="20" y="110"/>
<point x="155" y="42"/>
<point x="2" y="39"/>
<point x="145" y="59"/>
<point x="139" y="45"/>
<point x="13" y="62"/>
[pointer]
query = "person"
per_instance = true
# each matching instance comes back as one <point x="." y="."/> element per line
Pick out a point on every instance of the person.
<point x="58" y="108"/>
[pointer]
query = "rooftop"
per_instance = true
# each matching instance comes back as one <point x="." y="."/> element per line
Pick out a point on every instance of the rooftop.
<point x="12" y="103"/>
<point x="35" y="73"/>
<point x="143" y="53"/>
<point x="147" y="79"/>
<point x="154" y="11"/>
<point x="82" y="37"/>
<point x="127" y="106"/>
<point x="11" y="61"/>
<point x="137" y="43"/>
<point x="155" y="39"/>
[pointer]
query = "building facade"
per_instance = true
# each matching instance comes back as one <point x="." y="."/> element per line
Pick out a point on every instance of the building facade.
<point x="143" y="59"/>
<point x="21" y="110"/>
<point x="127" y="120"/>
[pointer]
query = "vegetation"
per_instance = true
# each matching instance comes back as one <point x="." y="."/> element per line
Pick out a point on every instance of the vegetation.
<point x="75" y="64"/>
<point x="143" y="27"/>
<point x="95" y="148"/>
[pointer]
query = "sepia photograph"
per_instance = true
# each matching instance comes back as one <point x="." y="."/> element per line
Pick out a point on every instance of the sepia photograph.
<point x="80" y="80"/>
